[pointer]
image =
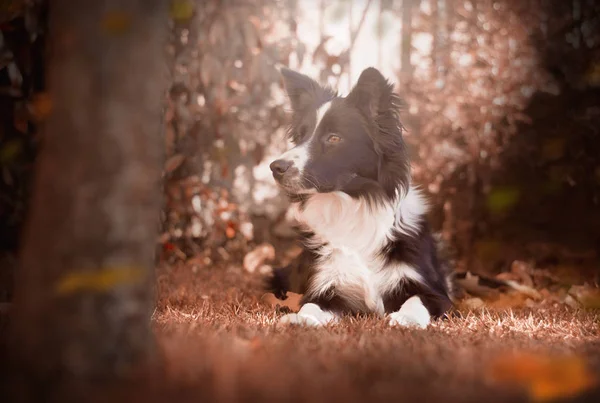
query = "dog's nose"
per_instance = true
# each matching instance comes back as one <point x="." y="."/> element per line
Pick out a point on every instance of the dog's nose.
<point x="279" y="167"/>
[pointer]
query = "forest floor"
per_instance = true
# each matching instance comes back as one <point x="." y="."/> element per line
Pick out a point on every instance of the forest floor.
<point x="221" y="343"/>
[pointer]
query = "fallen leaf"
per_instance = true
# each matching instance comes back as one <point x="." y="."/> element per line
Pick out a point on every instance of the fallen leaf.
<point x="292" y="301"/>
<point x="545" y="377"/>
<point x="257" y="257"/>
<point x="522" y="270"/>
<point x="507" y="275"/>
<point x="174" y="162"/>
<point x="572" y="302"/>
<point x="473" y="303"/>
<point x="508" y="300"/>
<point x="587" y="296"/>
<point x="196" y="261"/>
<point x="471" y="284"/>
<point x="265" y="269"/>
<point x="525" y="290"/>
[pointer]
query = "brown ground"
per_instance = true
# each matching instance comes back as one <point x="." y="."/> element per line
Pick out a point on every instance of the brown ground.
<point x="221" y="344"/>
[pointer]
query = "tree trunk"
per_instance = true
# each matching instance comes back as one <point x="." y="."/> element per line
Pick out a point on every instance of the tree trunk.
<point x="83" y="297"/>
<point x="406" y="40"/>
<point x="435" y="43"/>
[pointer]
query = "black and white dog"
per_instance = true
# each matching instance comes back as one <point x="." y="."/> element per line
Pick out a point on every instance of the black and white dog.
<point x="367" y="245"/>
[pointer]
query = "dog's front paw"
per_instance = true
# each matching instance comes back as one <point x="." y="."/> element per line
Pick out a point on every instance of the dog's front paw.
<point x="407" y="320"/>
<point x="412" y="314"/>
<point x="298" y="319"/>
<point x="309" y="315"/>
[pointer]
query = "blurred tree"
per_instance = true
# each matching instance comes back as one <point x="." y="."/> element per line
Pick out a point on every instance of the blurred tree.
<point x="225" y="121"/>
<point x="406" y="13"/>
<point x="491" y="75"/>
<point x="83" y="296"/>
<point x="22" y="40"/>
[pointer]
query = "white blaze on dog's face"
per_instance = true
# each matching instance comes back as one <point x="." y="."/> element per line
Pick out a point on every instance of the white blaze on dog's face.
<point x="341" y="142"/>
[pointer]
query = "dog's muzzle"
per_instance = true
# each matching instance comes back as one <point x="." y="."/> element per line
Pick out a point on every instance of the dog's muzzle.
<point x="284" y="171"/>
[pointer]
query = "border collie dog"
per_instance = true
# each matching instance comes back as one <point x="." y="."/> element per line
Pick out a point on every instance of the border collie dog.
<point x="367" y="245"/>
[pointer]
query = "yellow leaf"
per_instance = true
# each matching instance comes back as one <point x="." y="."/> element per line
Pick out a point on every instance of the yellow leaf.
<point x="545" y="377"/>
<point x="116" y="23"/>
<point x="182" y="10"/>
<point x="10" y="151"/>
<point x="100" y="280"/>
<point x="501" y="199"/>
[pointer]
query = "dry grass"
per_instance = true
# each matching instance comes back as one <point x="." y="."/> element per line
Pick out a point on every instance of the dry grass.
<point x="221" y="342"/>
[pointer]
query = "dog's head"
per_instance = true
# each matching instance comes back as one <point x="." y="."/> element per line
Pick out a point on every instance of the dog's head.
<point x="351" y="144"/>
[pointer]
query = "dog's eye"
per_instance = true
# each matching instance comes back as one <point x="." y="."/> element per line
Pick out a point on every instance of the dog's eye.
<point x="333" y="139"/>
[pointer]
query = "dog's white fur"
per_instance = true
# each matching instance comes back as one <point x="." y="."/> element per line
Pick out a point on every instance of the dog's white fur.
<point x="354" y="233"/>
<point x="411" y="313"/>
<point x="310" y="315"/>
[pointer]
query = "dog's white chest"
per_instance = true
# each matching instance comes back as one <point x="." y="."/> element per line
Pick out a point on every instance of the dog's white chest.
<point x="353" y="234"/>
<point x="344" y="269"/>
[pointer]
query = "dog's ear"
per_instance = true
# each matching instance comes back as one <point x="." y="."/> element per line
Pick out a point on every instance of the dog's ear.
<point x="374" y="97"/>
<point x="372" y="94"/>
<point x="303" y="91"/>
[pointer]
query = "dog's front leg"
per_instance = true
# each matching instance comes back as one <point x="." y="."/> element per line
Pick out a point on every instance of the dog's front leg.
<point x="411" y="313"/>
<point x="309" y="314"/>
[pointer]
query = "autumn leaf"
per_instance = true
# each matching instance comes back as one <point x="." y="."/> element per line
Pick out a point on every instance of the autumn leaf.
<point x="544" y="377"/>
<point x="10" y="151"/>
<point x="116" y="23"/>
<point x="100" y="280"/>
<point x="503" y="198"/>
<point x="174" y="162"/>
<point x="292" y="301"/>
<point x="230" y="232"/>
<point x="182" y="10"/>
<point x="588" y="297"/>
<point x="41" y="106"/>
<point x="257" y="257"/>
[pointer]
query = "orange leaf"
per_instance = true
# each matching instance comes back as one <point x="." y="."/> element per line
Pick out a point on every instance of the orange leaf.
<point x="41" y="106"/>
<point x="544" y="377"/>
<point x="292" y="301"/>
<point x="116" y="22"/>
